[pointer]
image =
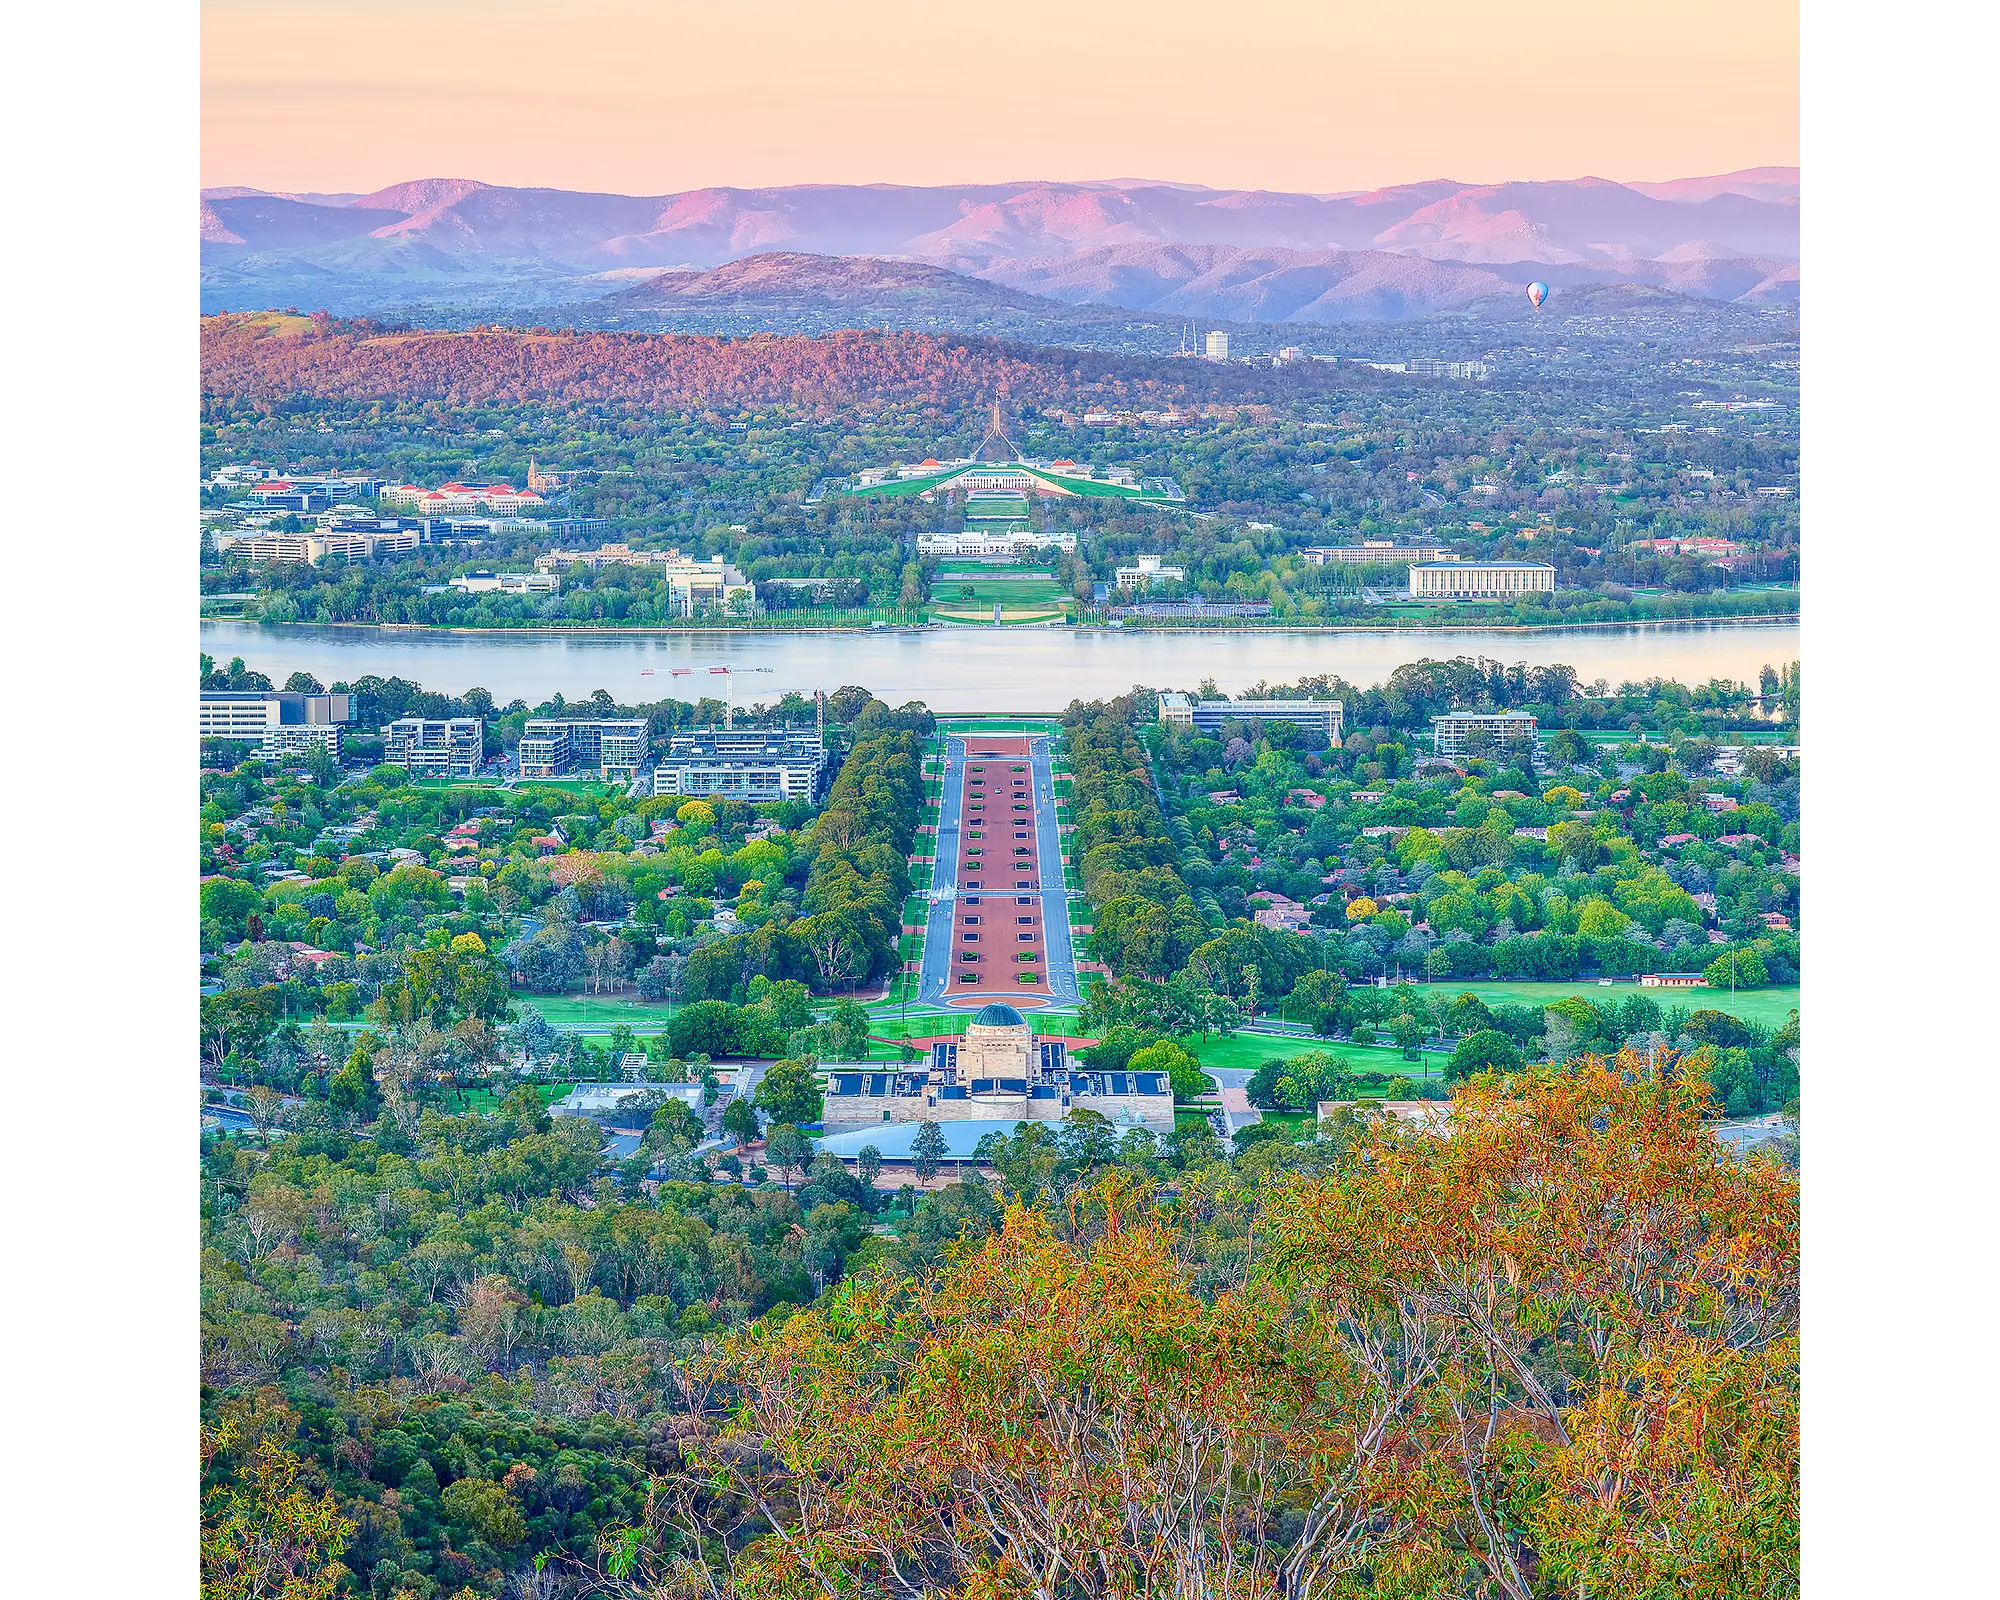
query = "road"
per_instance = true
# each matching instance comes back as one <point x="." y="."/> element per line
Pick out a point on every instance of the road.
<point x="1230" y="1084"/>
<point x="965" y="910"/>
<point x="1059" y="946"/>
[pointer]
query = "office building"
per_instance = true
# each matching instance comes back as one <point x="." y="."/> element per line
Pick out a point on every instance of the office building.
<point x="1148" y="571"/>
<point x="1218" y="346"/>
<point x="453" y="499"/>
<point x="1323" y="718"/>
<point x="283" y="494"/>
<point x="755" y="765"/>
<point x="1449" y="732"/>
<point x="696" y="585"/>
<point x="283" y="722"/>
<point x="612" y="747"/>
<point x="1373" y="552"/>
<point x="1429" y="367"/>
<point x="507" y="583"/>
<point x="311" y="546"/>
<point x="452" y="747"/>
<point x="1480" y="580"/>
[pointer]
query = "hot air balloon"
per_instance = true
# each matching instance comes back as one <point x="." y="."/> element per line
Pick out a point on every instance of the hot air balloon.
<point x="1537" y="293"/>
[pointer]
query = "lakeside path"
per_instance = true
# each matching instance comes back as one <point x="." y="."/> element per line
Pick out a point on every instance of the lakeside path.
<point x="997" y="889"/>
<point x="946" y="621"/>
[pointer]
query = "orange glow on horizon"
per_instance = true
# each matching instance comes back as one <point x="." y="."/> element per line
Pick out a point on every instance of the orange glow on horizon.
<point x="647" y="98"/>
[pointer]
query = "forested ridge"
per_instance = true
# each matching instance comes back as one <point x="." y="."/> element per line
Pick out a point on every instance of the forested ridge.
<point x="257" y="356"/>
<point x="1555" y="1353"/>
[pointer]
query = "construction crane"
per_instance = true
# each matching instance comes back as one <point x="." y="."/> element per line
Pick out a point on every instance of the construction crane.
<point x="728" y="674"/>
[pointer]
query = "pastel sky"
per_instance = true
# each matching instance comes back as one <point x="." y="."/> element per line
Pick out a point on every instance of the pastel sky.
<point x="652" y="96"/>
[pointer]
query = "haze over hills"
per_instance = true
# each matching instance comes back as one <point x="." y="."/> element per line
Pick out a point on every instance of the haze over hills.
<point x="1317" y="286"/>
<point x="1142" y="299"/>
<point x="797" y="292"/>
<point x="1173" y="249"/>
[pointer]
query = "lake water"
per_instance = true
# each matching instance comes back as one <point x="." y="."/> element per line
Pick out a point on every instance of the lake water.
<point x="966" y="669"/>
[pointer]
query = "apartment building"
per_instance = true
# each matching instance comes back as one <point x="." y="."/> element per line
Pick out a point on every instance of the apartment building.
<point x="283" y="722"/>
<point x="1324" y="718"/>
<point x="1449" y="732"/>
<point x="612" y="747"/>
<point x="756" y="765"/>
<point x="1480" y="580"/>
<point x="450" y="747"/>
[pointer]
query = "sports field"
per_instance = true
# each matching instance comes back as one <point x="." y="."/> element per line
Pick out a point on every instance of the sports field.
<point x="598" y="1012"/>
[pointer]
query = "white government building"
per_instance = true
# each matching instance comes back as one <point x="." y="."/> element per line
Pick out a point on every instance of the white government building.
<point x="1479" y="580"/>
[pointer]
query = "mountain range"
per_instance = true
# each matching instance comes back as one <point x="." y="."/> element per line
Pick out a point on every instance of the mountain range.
<point x="1165" y="249"/>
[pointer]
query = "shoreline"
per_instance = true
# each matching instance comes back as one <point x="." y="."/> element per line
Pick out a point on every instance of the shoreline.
<point x="1148" y="626"/>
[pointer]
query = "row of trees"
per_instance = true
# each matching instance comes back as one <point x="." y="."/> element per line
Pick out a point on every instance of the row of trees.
<point x="1144" y="919"/>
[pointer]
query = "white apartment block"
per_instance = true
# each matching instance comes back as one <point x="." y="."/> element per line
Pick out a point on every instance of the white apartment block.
<point x="1448" y="733"/>
<point x="1217" y="347"/>
<point x="750" y="764"/>
<point x="1479" y="580"/>
<point x="291" y="743"/>
<point x="614" y="747"/>
<point x="453" y="747"/>
<point x="1326" y="718"/>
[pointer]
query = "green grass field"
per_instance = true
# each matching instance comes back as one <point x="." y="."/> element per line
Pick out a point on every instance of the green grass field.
<point x="992" y="591"/>
<point x="901" y="489"/>
<point x="1767" y="1007"/>
<point x="1250" y="1051"/>
<point x="964" y="725"/>
<point x="587" y="1013"/>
